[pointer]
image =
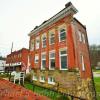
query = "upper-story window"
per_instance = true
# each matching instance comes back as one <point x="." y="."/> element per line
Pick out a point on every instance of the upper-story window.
<point x="62" y="34"/>
<point x="52" y="60"/>
<point x="37" y="42"/>
<point x="82" y="62"/>
<point x="32" y="45"/>
<point x="81" y="36"/>
<point x="36" y="58"/>
<point x="51" y="38"/>
<point x="63" y="59"/>
<point x="44" y="40"/>
<point x="43" y="60"/>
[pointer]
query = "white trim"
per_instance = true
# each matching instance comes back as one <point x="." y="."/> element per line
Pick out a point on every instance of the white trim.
<point x="42" y="59"/>
<point x="53" y="83"/>
<point x="44" y="35"/>
<point x="53" y="51"/>
<point x="82" y="62"/>
<point x="58" y="16"/>
<point x="37" y="57"/>
<point x="35" y="78"/>
<point x="37" y="44"/>
<point x="50" y="38"/>
<point x="32" y="45"/>
<point x="41" y="79"/>
<point x="59" y="33"/>
<point x="63" y="55"/>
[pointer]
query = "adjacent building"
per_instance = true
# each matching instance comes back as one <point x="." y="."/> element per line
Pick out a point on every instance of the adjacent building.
<point x="59" y="55"/>
<point x="17" y="59"/>
<point x="2" y="65"/>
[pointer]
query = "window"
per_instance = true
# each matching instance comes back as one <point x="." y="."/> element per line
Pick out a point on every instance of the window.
<point x="83" y="38"/>
<point x="62" y="35"/>
<point x="37" y="42"/>
<point x="82" y="63"/>
<point x="42" y="79"/>
<point x="44" y="40"/>
<point x="52" y="60"/>
<point x="80" y="36"/>
<point x="43" y="61"/>
<point x="35" y="78"/>
<point x="51" y="80"/>
<point x="63" y="59"/>
<point x="32" y="45"/>
<point x="36" y="58"/>
<point x="52" y="38"/>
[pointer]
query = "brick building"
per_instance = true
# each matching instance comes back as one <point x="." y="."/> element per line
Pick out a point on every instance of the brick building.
<point x="17" y="59"/>
<point x="58" y="51"/>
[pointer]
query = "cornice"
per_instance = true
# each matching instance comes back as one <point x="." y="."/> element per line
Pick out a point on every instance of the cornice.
<point x="66" y="11"/>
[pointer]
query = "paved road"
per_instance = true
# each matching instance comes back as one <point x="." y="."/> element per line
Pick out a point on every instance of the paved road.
<point x="10" y="91"/>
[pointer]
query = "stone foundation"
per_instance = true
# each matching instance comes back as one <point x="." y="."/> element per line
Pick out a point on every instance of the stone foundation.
<point x="68" y="82"/>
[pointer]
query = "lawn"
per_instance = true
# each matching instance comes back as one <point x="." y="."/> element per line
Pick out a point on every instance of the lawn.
<point x="97" y="85"/>
<point x="43" y="91"/>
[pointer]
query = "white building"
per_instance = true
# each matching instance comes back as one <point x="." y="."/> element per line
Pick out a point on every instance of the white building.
<point x="2" y="65"/>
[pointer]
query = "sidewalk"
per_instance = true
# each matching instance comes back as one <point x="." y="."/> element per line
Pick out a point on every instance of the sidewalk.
<point x="10" y="91"/>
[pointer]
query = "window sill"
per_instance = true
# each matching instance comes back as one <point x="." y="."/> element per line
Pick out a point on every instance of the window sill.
<point x="51" y="68"/>
<point x="63" y="69"/>
<point x="52" y="83"/>
<point x="42" y="81"/>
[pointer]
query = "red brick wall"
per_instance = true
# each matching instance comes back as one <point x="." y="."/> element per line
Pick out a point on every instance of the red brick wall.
<point x="13" y="57"/>
<point x="71" y="43"/>
<point x="81" y="48"/>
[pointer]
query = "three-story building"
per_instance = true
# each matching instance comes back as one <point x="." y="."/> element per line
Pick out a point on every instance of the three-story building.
<point x="58" y="49"/>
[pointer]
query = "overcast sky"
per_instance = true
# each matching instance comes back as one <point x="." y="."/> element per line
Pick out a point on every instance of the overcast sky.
<point x="19" y="17"/>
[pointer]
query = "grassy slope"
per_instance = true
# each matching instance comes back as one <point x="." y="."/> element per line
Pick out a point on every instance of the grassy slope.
<point x="97" y="85"/>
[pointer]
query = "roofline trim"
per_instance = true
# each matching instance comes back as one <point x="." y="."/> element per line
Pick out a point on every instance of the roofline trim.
<point x="55" y="18"/>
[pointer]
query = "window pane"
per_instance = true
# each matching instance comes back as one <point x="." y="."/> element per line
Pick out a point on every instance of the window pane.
<point x="43" y="56"/>
<point x="62" y="34"/>
<point x="43" y="63"/>
<point x="63" y="62"/>
<point x="63" y="52"/>
<point x="44" y="41"/>
<point x="52" y="55"/>
<point x="36" y="59"/>
<point x="52" y="63"/>
<point x="52" y="38"/>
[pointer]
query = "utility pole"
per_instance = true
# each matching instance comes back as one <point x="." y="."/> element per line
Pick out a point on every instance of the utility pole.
<point x="11" y="58"/>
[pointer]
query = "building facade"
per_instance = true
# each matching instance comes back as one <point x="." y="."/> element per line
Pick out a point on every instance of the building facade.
<point x="59" y="53"/>
<point x="17" y="59"/>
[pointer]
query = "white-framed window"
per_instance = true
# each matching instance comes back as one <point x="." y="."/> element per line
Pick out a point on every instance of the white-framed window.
<point x="36" y="58"/>
<point x="83" y="38"/>
<point x="32" y="45"/>
<point x="63" y="59"/>
<point x="42" y="78"/>
<point x="51" y="38"/>
<point x="80" y="36"/>
<point x="43" y="40"/>
<point x="37" y="42"/>
<point x="43" y="60"/>
<point x="51" y="80"/>
<point x="62" y="34"/>
<point x="52" y="60"/>
<point x="82" y="62"/>
<point x="35" y="78"/>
